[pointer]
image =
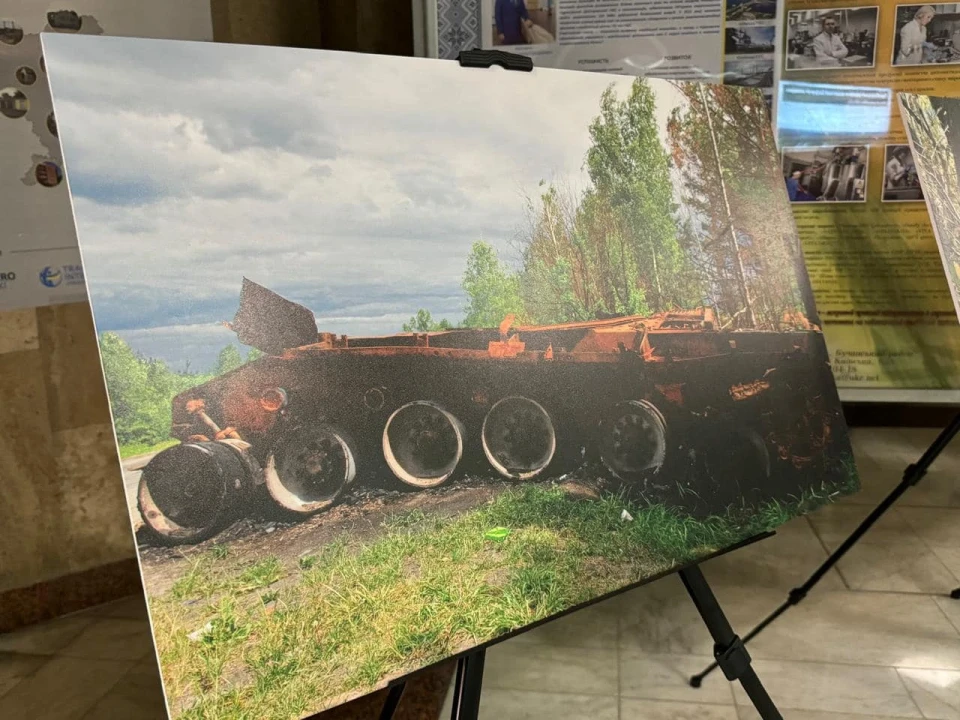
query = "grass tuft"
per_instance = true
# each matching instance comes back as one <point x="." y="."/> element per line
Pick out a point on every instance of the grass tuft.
<point x="353" y="613"/>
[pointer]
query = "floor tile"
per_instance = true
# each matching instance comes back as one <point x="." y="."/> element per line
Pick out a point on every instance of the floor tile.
<point x="129" y="608"/>
<point x="951" y="609"/>
<point x="591" y="627"/>
<point x="863" y="628"/>
<point x="666" y="677"/>
<point x="498" y="704"/>
<point x="938" y="527"/>
<point x="823" y="687"/>
<point x="15" y="667"/>
<point x="660" y="618"/>
<point x="750" y="713"/>
<point x="527" y="666"/>
<point x="631" y="709"/>
<point x="138" y="694"/>
<point x="45" y="638"/>
<point x="782" y="562"/>
<point x="890" y="557"/>
<point x="63" y="689"/>
<point x="936" y="692"/>
<point x="112" y="639"/>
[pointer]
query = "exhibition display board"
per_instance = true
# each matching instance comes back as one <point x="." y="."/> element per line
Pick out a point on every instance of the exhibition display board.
<point x="857" y="197"/>
<point x="730" y="41"/>
<point x="39" y="261"/>
<point x="442" y="352"/>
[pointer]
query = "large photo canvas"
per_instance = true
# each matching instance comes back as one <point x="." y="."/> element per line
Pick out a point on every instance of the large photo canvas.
<point x="932" y="128"/>
<point x="405" y="357"/>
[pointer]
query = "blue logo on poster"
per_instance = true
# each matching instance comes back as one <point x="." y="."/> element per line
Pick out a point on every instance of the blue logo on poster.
<point x="51" y="277"/>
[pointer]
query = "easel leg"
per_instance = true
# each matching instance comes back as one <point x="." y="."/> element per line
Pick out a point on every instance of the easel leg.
<point x="466" y="689"/>
<point x="728" y="649"/>
<point x="911" y="476"/>
<point x="393" y="700"/>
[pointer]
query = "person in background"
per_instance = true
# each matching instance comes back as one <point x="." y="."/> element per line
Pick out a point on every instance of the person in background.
<point x="827" y="46"/>
<point x="510" y="16"/>
<point x="913" y="37"/>
<point x="795" y="190"/>
<point x="895" y="171"/>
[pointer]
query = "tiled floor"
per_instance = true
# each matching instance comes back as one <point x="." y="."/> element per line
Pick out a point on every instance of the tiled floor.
<point x="877" y="638"/>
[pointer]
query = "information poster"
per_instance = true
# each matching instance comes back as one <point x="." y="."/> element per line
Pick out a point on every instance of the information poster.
<point x="733" y="41"/>
<point x="39" y="259"/>
<point x="858" y="202"/>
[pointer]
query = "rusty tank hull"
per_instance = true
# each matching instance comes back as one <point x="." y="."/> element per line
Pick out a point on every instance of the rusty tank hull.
<point x="669" y="407"/>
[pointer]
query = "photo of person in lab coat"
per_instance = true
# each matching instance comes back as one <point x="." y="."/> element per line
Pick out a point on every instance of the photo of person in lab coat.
<point x="831" y="39"/>
<point x="913" y="37"/>
<point x="828" y="48"/>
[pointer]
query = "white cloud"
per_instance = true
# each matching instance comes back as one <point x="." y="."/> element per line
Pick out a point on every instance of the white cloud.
<point x="352" y="183"/>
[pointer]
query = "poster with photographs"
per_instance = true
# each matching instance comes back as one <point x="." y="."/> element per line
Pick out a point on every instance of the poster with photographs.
<point x="400" y="401"/>
<point x="833" y="38"/>
<point x="827" y="174"/>
<point x="932" y="125"/>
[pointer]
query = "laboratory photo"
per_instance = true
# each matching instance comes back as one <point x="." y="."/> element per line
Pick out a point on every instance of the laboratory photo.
<point x="831" y="39"/>
<point x="927" y="35"/>
<point x="827" y="174"/>
<point x="901" y="183"/>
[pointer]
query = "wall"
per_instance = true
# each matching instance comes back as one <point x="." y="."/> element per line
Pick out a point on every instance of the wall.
<point x="62" y="508"/>
<point x="65" y="540"/>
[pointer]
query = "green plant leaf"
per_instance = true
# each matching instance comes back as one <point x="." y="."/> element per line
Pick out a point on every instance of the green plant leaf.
<point x="498" y="534"/>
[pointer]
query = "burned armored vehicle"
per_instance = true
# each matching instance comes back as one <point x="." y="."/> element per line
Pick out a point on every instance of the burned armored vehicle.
<point x="669" y="407"/>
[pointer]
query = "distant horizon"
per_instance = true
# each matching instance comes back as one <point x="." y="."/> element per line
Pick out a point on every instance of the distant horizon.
<point x="346" y="186"/>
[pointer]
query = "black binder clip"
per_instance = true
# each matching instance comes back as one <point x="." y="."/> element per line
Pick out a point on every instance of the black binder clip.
<point x="489" y="58"/>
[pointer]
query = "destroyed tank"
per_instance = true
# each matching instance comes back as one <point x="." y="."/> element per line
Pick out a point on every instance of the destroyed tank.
<point x="669" y="407"/>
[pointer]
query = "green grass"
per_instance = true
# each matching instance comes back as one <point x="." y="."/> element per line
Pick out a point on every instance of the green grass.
<point x="351" y="615"/>
<point x="134" y="449"/>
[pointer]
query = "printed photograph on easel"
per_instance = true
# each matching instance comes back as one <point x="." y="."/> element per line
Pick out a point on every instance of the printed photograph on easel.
<point x="931" y="124"/>
<point x="405" y="357"/>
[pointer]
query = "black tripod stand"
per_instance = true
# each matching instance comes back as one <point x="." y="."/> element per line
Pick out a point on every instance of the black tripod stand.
<point x="731" y="655"/>
<point x="911" y="476"/>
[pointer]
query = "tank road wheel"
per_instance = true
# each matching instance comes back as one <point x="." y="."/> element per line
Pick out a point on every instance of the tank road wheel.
<point x="189" y="492"/>
<point x="422" y="444"/>
<point x="633" y="439"/>
<point x="309" y="469"/>
<point x="518" y="438"/>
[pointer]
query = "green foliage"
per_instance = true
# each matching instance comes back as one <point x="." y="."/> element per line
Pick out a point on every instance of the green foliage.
<point x="228" y="359"/>
<point x="141" y="391"/>
<point x="493" y="291"/>
<point x="424" y="322"/>
<point x="254" y="354"/>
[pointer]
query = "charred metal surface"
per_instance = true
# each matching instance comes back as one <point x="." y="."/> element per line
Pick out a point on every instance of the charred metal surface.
<point x="667" y="403"/>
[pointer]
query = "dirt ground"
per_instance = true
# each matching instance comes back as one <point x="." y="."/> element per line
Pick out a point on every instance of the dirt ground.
<point x="360" y="517"/>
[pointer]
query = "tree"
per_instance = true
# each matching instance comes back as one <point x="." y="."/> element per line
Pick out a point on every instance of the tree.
<point x="932" y="122"/>
<point x="140" y="391"/>
<point x="630" y="171"/>
<point x="493" y="291"/>
<point x="745" y="250"/>
<point x="228" y="359"/>
<point x="423" y="322"/>
<point x="254" y="354"/>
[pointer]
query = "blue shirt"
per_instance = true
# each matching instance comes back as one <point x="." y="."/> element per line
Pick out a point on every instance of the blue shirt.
<point x="793" y="188"/>
<point x="508" y="14"/>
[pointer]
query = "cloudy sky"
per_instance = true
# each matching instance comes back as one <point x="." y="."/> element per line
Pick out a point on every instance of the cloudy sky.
<point x="353" y="184"/>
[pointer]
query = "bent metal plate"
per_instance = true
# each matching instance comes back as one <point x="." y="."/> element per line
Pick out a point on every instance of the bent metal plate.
<point x="413" y="356"/>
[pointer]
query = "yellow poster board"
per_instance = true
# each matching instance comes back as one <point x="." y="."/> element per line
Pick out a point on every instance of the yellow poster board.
<point x="870" y="249"/>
